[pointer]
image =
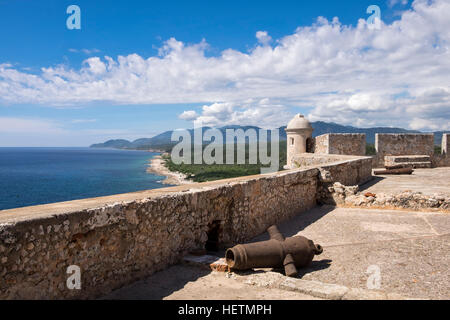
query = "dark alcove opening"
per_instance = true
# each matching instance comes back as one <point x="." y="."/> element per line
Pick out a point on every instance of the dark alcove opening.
<point x="214" y="230"/>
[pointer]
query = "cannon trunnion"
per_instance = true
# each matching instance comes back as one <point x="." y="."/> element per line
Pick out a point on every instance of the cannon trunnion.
<point x="277" y="252"/>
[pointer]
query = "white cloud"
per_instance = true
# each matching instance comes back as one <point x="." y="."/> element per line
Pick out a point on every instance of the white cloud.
<point x="35" y="132"/>
<point x="95" y="65"/>
<point x="392" y="3"/>
<point x="85" y="51"/>
<point x="84" y="120"/>
<point x="421" y="124"/>
<point x="263" y="113"/>
<point x="351" y="75"/>
<point x="263" y="37"/>
<point x="188" y="115"/>
<point x="21" y="125"/>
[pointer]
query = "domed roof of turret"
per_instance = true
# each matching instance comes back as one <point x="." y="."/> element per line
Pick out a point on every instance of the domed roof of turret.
<point x="298" y="122"/>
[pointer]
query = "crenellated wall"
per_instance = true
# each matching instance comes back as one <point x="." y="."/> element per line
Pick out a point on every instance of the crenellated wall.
<point x="341" y="143"/>
<point x="321" y="144"/>
<point x="403" y="144"/>
<point x="385" y="145"/>
<point x="119" y="239"/>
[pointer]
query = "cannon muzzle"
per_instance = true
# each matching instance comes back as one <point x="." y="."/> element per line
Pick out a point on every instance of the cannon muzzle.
<point x="277" y="252"/>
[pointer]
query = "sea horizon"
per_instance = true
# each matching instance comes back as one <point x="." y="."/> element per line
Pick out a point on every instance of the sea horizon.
<point x="41" y="175"/>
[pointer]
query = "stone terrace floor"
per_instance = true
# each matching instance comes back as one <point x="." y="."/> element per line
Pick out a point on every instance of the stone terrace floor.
<point x="411" y="249"/>
<point x="427" y="181"/>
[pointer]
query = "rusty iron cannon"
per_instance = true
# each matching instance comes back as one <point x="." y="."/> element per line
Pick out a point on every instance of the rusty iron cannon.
<point x="277" y="252"/>
<point x="396" y="170"/>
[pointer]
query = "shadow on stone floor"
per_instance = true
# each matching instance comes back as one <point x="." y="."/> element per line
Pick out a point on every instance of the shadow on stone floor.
<point x="297" y="224"/>
<point x="161" y="284"/>
<point x="371" y="183"/>
<point x="314" y="266"/>
<point x="294" y="225"/>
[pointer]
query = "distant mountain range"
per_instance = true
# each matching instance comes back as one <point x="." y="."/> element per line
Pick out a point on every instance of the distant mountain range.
<point x="163" y="140"/>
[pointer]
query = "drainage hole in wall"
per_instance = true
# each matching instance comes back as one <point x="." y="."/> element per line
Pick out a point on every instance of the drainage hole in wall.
<point x="214" y="229"/>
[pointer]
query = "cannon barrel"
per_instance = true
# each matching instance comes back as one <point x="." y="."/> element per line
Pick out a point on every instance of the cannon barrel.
<point x="275" y="253"/>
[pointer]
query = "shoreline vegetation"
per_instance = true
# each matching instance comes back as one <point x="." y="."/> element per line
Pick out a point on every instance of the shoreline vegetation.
<point x="157" y="165"/>
<point x="182" y="174"/>
<point x="203" y="172"/>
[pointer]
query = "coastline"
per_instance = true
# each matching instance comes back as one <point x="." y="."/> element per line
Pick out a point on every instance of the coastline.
<point x="156" y="166"/>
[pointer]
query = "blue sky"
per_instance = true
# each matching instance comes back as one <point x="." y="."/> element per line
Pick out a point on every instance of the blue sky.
<point x="35" y="31"/>
<point x="37" y="108"/>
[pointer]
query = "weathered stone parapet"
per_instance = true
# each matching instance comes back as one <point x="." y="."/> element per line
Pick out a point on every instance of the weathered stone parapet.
<point x="341" y="143"/>
<point x="350" y="173"/>
<point x="305" y="160"/>
<point x="119" y="239"/>
<point x="403" y="144"/>
<point x="441" y="160"/>
<point x="321" y="144"/>
<point x="341" y="178"/>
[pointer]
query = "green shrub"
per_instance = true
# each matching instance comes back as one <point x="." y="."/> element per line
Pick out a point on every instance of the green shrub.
<point x="370" y="150"/>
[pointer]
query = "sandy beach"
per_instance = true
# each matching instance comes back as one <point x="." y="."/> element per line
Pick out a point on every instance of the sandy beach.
<point x="156" y="166"/>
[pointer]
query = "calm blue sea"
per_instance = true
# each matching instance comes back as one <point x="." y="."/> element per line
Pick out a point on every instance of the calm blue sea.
<point x="31" y="176"/>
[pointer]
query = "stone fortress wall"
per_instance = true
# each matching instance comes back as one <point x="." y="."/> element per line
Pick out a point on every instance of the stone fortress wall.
<point x="120" y="239"/>
<point x="320" y="144"/>
<point x="341" y="143"/>
<point x="403" y="144"/>
<point x="385" y="145"/>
